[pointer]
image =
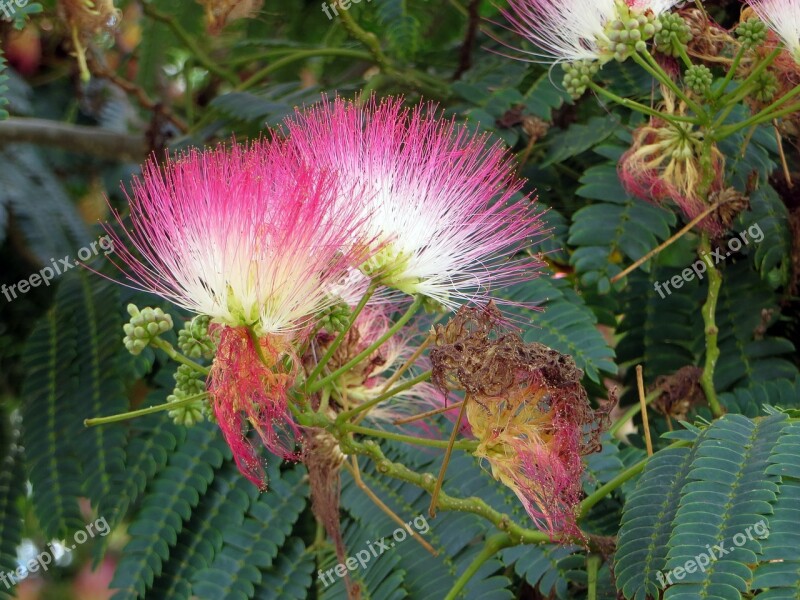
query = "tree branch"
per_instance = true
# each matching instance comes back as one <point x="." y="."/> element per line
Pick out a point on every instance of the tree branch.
<point x="94" y="141"/>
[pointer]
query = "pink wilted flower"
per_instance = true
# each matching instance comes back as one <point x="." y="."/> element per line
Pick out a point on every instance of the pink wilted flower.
<point x="527" y="409"/>
<point x="253" y="238"/>
<point x="665" y="164"/>
<point x="437" y="200"/>
<point x="582" y="30"/>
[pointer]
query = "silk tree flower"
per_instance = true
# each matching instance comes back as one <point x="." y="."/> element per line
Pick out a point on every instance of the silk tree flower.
<point x="248" y="236"/>
<point x="783" y="17"/>
<point x="664" y="164"/>
<point x="583" y="30"/>
<point x="437" y="199"/>
<point x="252" y="238"/>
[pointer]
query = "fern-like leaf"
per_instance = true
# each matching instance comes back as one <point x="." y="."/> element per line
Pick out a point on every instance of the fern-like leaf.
<point x="250" y="548"/>
<point x="12" y="490"/>
<point x="166" y="507"/>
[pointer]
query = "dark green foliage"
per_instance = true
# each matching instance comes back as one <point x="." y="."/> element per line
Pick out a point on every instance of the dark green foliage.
<point x="3" y="87"/>
<point x="616" y="226"/>
<point x="721" y="499"/>
<point x="12" y="489"/>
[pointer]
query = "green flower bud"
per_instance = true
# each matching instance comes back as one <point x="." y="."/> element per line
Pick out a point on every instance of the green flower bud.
<point x="193" y="339"/>
<point x="698" y="78"/>
<point x="336" y="318"/>
<point x="752" y="32"/>
<point x="673" y="34"/>
<point x="143" y="326"/>
<point x="766" y="87"/>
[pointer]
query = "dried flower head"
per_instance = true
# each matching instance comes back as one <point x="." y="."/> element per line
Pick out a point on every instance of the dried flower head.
<point x="526" y="407"/>
<point x="86" y="19"/>
<point x="437" y="200"/>
<point x="219" y="13"/>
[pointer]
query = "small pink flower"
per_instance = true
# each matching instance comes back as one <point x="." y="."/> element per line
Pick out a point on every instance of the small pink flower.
<point x="437" y="200"/>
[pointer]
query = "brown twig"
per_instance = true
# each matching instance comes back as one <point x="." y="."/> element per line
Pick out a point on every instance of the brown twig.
<point x="446" y="461"/>
<point x="425" y="415"/>
<point x="465" y="55"/>
<point x="643" y="403"/>
<point x="137" y="92"/>
<point x="668" y="242"/>
<point x="787" y="175"/>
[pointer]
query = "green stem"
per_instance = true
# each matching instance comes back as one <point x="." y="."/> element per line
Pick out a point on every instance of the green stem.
<point x="383" y="397"/>
<point x="466" y="445"/>
<point x="766" y="114"/>
<point x="370" y="40"/>
<point x="370" y="349"/>
<point x="649" y="64"/>
<point x="731" y="72"/>
<point x="633" y="105"/>
<point x="427" y="482"/>
<point x="177" y="356"/>
<point x="592" y="565"/>
<point x="493" y="545"/>
<point x="151" y="11"/>
<point x="710" y="328"/>
<point x="632" y="412"/>
<point x="296" y="56"/>
<point x="342" y="334"/>
<point x="144" y="411"/>
<point x="741" y="90"/>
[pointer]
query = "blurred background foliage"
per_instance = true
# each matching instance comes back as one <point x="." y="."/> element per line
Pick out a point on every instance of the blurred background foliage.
<point x="174" y="74"/>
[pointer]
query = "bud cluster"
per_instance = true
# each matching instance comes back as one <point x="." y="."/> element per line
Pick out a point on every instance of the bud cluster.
<point x="674" y="34"/>
<point x="752" y="33"/>
<point x="336" y="318"/>
<point x="144" y="326"/>
<point x="629" y="34"/>
<point x="187" y="384"/>
<point x="766" y="86"/>
<point x="193" y="339"/>
<point x="577" y="76"/>
<point x="698" y="78"/>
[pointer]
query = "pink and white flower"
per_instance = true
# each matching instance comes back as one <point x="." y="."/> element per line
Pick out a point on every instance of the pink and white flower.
<point x="783" y="17"/>
<point x="248" y="235"/>
<point x="574" y="30"/>
<point x="437" y="199"/>
<point x="255" y="239"/>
